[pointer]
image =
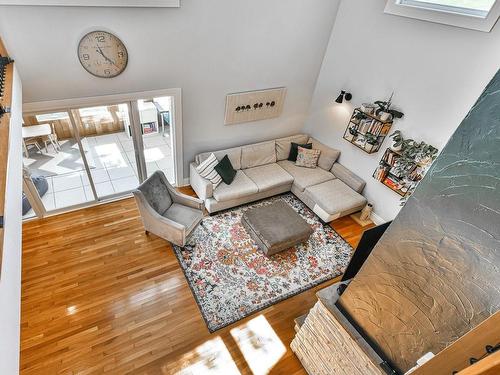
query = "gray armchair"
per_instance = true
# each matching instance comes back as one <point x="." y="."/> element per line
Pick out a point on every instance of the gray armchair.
<point x="166" y="212"/>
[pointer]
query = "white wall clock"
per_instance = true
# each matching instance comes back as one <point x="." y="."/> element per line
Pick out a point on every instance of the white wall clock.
<point x="102" y="54"/>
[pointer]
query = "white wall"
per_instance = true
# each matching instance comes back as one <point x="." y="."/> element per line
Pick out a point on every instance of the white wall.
<point x="207" y="48"/>
<point x="10" y="279"/>
<point x="436" y="71"/>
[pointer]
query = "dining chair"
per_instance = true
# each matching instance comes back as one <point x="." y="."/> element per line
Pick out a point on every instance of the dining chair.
<point x="52" y="139"/>
<point x="30" y="142"/>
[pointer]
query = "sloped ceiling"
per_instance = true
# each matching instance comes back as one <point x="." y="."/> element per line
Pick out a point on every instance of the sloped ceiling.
<point x="207" y="48"/>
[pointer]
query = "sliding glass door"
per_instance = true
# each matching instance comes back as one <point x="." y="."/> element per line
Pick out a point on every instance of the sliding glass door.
<point x="156" y="133"/>
<point x="108" y="141"/>
<point x="86" y="154"/>
<point x="54" y="160"/>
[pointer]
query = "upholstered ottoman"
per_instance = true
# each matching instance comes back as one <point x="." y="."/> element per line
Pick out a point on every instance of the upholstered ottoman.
<point x="275" y="227"/>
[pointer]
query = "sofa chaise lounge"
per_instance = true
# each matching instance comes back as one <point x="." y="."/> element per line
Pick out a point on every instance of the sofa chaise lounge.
<point x="330" y="190"/>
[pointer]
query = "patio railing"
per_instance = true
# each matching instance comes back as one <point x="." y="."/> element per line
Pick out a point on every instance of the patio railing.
<point x="6" y="77"/>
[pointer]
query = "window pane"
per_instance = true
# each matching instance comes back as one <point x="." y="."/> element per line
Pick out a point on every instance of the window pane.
<point x="52" y="116"/>
<point x="484" y="5"/>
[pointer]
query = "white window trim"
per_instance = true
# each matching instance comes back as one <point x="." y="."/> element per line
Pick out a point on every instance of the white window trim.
<point x="445" y="17"/>
<point x="97" y="3"/>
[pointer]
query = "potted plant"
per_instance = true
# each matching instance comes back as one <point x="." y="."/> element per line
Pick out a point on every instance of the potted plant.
<point x="351" y="134"/>
<point x="402" y="166"/>
<point x="368" y="108"/>
<point x="371" y="142"/>
<point x="358" y="116"/>
<point x="397" y="141"/>
<point x="426" y="154"/>
<point x="384" y="111"/>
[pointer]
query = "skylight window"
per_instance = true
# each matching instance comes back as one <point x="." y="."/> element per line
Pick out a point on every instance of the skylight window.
<point x="478" y="8"/>
<point x="471" y="14"/>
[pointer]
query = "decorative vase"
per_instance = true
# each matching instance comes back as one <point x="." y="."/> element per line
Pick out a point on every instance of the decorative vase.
<point x="366" y="212"/>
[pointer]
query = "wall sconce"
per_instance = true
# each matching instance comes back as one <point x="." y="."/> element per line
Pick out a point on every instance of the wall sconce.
<point x="343" y="95"/>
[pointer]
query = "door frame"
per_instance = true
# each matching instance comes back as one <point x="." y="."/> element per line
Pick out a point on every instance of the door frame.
<point x="175" y="93"/>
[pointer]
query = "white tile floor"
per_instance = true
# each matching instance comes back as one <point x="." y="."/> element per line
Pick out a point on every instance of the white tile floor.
<point x="113" y="166"/>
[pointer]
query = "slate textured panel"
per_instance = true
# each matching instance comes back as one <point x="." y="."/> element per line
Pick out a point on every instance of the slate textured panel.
<point x="434" y="275"/>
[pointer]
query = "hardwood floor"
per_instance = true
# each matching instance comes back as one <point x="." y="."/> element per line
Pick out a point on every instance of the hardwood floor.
<point x="100" y="296"/>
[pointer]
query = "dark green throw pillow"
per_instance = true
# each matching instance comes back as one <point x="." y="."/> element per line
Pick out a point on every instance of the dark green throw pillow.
<point x="292" y="156"/>
<point x="225" y="170"/>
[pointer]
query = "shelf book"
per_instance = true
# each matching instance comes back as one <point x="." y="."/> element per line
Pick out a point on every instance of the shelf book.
<point x="366" y="131"/>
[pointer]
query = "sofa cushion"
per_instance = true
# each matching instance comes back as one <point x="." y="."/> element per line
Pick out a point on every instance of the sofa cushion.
<point x="307" y="158"/>
<point x="268" y="176"/>
<point x="305" y="177"/>
<point x="294" y="150"/>
<point x="187" y="216"/>
<point x="226" y="170"/>
<point x="352" y="180"/>
<point x="283" y="145"/>
<point x="258" y="154"/>
<point x="328" y="155"/>
<point x="234" y="155"/>
<point x="241" y="186"/>
<point x="335" y="197"/>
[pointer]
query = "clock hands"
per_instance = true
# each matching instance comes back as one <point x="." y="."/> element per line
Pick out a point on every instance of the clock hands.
<point x="99" y="50"/>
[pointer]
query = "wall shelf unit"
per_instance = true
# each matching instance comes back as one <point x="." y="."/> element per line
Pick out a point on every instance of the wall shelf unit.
<point x="367" y="131"/>
<point x="400" y="181"/>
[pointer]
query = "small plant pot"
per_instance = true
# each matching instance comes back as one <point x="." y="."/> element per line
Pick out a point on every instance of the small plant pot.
<point x="384" y="116"/>
<point x="368" y="108"/>
<point x="396" y="148"/>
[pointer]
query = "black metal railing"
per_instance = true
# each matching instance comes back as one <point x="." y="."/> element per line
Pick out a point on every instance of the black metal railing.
<point x="4" y="61"/>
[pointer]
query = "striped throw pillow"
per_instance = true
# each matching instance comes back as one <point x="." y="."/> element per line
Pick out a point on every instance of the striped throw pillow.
<point x="206" y="170"/>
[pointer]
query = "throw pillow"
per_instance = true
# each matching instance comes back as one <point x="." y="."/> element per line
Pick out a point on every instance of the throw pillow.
<point x="292" y="156"/>
<point x="207" y="170"/>
<point x="225" y="170"/>
<point x="307" y="158"/>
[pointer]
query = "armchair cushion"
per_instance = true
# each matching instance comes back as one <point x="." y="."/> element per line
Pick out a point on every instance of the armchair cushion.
<point x="187" y="216"/>
<point x="156" y="193"/>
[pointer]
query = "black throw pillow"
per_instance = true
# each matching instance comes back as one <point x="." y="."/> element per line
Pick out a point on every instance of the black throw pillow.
<point x="294" y="150"/>
<point x="225" y="170"/>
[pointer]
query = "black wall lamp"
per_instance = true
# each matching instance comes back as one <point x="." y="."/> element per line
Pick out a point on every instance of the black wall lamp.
<point x="343" y="95"/>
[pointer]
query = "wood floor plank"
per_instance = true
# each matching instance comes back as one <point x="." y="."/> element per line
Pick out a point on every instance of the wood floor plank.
<point x="99" y="296"/>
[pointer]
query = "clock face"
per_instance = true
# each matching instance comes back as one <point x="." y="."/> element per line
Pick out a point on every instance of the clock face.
<point x="102" y="54"/>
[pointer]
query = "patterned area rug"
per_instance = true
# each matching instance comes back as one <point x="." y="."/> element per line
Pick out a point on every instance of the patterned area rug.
<point x="231" y="278"/>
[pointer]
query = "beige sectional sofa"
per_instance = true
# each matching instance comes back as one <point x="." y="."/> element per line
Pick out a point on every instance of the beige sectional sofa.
<point x="330" y="190"/>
